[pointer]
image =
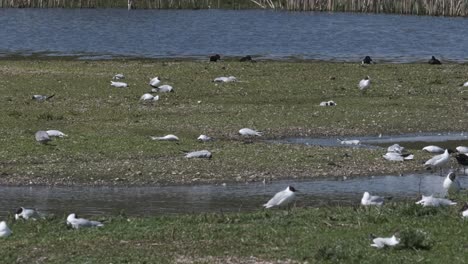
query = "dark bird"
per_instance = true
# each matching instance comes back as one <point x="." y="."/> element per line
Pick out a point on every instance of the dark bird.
<point x="462" y="160"/>
<point x="434" y="61"/>
<point x="246" y="58"/>
<point x="367" y="60"/>
<point x="215" y="58"/>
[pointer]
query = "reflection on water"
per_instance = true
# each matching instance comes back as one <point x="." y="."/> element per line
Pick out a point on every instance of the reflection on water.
<point x="145" y="201"/>
<point x="105" y="33"/>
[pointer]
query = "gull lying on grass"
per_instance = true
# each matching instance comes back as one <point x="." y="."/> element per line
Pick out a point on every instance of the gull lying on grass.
<point x="438" y="161"/>
<point x="329" y="103"/>
<point x="451" y="184"/>
<point x="435" y="202"/>
<point x="118" y="76"/>
<point x="78" y="223"/>
<point x="201" y="154"/>
<point x="169" y="137"/>
<point x="462" y="149"/>
<point x="119" y="84"/>
<point x="464" y="211"/>
<point x="381" y="242"/>
<point x="368" y="199"/>
<point x="155" y="82"/>
<point x="395" y="148"/>
<point x="163" y="89"/>
<point x="465" y="84"/>
<point x="349" y="142"/>
<point x="149" y="98"/>
<point x="433" y="149"/>
<point x="42" y="137"/>
<point x="364" y="84"/>
<point x="393" y="156"/>
<point x="4" y="229"/>
<point x="247" y="132"/>
<point x="204" y="138"/>
<point x="56" y="133"/>
<point x="282" y="198"/>
<point x="26" y="213"/>
<point x="38" y="97"/>
<point x="225" y="79"/>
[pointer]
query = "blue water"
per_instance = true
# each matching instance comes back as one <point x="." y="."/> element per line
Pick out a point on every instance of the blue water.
<point x="110" y="33"/>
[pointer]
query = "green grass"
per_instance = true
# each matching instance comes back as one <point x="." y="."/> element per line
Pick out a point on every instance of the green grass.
<point x="313" y="235"/>
<point x="109" y="129"/>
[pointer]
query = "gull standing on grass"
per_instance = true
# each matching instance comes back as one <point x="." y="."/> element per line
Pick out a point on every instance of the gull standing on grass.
<point x="368" y="199"/>
<point x="365" y="84"/>
<point x="282" y="198"/>
<point x="169" y="137"/>
<point x="26" y="213"/>
<point x="119" y="84"/>
<point x="435" y="202"/>
<point x="247" y="132"/>
<point x="42" y="137"/>
<point x="381" y="242"/>
<point x="5" y="231"/>
<point x="451" y="184"/>
<point x="78" y="223"/>
<point x="438" y="161"/>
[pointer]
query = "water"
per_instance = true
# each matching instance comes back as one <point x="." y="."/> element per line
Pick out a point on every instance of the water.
<point x="145" y="201"/>
<point x="110" y="33"/>
<point x="410" y="141"/>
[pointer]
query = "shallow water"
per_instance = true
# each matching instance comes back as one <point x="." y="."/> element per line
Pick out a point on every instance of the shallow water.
<point x="145" y="201"/>
<point x="110" y="33"/>
<point x="410" y="141"/>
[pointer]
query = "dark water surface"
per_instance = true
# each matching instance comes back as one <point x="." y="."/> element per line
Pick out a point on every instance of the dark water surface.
<point x="109" y="33"/>
<point x="145" y="201"/>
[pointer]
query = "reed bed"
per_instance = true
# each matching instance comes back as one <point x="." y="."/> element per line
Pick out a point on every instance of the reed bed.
<point x="413" y="7"/>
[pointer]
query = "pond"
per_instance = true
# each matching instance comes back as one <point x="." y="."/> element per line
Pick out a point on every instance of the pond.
<point x="266" y="34"/>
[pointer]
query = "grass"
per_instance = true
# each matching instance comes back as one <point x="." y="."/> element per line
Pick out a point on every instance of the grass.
<point x="313" y="235"/>
<point x="109" y="128"/>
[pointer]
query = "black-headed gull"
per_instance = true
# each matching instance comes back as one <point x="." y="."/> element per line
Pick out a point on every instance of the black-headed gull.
<point x="42" y="137"/>
<point x="282" y="198"/>
<point x="435" y="202"/>
<point x="149" y="98"/>
<point x="434" y="61"/>
<point x="201" y="154"/>
<point x="56" y="133"/>
<point x="5" y="231"/>
<point x="438" y="161"/>
<point x="396" y="149"/>
<point x="394" y="156"/>
<point x="38" y="97"/>
<point x="433" y="149"/>
<point x="204" y="138"/>
<point x="462" y="149"/>
<point x="163" y="89"/>
<point x="26" y="213"/>
<point x="225" y="79"/>
<point x="451" y="184"/>
<point x="169" y="137"/>
<point x="464" y="211"/>
<point x="368" y="199"/>
<point x="119" y="84"/>
<point x="78" y="223"/>
<point x="329" y="103"/>
<point x="118" y="76"/>
<point x="247" y="132"/>
<point x="365" y="84"/>
<point x="381" y="242"/>
<point x="155" y="82"/>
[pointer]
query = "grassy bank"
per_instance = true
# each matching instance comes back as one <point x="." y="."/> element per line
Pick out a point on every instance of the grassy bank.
<point x="109" y="128"/>
<point x="413" y="7"/>
<point x="313" y="235"/>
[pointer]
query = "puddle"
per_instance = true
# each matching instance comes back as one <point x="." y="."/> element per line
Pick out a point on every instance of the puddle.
<point x="145" y="201"/>
<point x="410" y="141"/>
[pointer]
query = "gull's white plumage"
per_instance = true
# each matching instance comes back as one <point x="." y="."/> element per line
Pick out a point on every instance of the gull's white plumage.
<point x="249" y="132"/>
<point x="155" y="82"/>
<point x="451" y="184"/>
<point x="149" y="97"/>
<point x="225" y="79"/>
<point x="395" y="148"/>
<point x="163" y="89"/>
<point x="365" y="83"/>
<point x="435" y="202"/>
<point x="26" y="213"/>
<point x="282" y="198"/>
<point x="381" y="242"/>
<point x="5" y="231"/>
<point x="349" y="142"/>
<point x="118" y="76"/>
<point x="56" y="133"/>
<point x="393" y="156"/>
<point x="433" y="149"/>
<point x="78" y="223"/>
<point x="201" y="154"/>
<point x="119" y="84"/>
<point x="462" y="149"/>
<point x="368" y="199"/>
<point x="204" y="138"/>
<point x="438" y="161"/>
<point x="169" y="137"/>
